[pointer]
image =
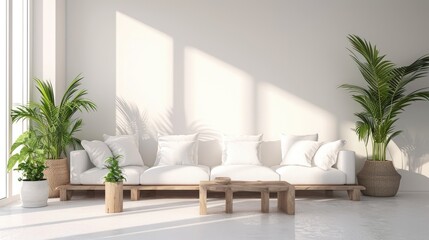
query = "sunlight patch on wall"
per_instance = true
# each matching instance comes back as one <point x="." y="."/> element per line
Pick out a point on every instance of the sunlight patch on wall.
<point x="425" y="164"/>
<point x="217" y="94"/>
<point x="280" y="111"/>
<point x="144" y="66"/>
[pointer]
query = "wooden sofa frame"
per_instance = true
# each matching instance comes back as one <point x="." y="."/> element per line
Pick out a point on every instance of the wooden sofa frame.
<point x="66" y="191"/>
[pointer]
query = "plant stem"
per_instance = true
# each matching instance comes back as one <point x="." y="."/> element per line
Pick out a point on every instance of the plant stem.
<point x="379" y="151"/>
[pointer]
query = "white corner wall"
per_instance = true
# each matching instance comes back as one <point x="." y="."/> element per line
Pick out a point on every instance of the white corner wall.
<point x="241" y="67"/>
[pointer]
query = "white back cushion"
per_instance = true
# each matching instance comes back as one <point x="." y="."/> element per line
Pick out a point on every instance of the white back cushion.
<point x="288" y="140"/>
<point x="241" y="149"/>
<point x="301" y="153"/>
<point x="126" y="147"/>
<point x="177" y="150"/>
<point x="245" y="153"/>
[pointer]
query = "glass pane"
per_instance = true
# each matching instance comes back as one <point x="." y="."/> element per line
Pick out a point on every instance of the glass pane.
<point x="3" y="101"/>
<point x="17" y="52"/>
<point x="19" y="70"/>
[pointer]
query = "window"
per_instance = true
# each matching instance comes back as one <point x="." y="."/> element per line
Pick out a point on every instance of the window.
<point x="3" y="98"/>
<point x="14" y="75"/>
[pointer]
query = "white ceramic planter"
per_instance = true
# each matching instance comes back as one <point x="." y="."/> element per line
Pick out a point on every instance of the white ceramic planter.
<point x="34" y="193"/>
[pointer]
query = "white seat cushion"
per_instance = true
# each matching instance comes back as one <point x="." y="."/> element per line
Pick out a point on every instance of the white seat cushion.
<point x="175" y="175"/>
<point x="310" y="175"/>
<point x="96" y="175"/>
<point x="245" y="173"/>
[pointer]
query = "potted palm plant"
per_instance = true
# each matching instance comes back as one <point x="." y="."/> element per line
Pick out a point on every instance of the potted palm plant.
<point x="31" y="162"/>
<point x="382" y="100"/>
<point x="114" y="186"/>
<point x="55" y="126"/>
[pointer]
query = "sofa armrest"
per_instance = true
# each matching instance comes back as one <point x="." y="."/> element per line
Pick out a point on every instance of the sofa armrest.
<point x="79" y="163"/>
<point x="346" y="164"/>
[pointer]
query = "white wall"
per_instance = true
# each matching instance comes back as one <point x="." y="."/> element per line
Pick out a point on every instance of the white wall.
<point x="241" y="67"/>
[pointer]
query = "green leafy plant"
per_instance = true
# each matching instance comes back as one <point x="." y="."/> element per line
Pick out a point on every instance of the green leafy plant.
<point x="385" y="96"/>
<point x="115" y="172"/>
<point x="54" y="124"/>
<point x="30" y="158"/>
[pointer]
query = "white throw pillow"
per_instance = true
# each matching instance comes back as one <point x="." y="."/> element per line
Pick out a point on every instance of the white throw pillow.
<point x="242" y="149"/>
<point x="177" y="150"/>
<point x="288" y="140"/>
<point x="98" y="152"/>
<point x="242" y="153"/>
<point x="301" y="153"/>
<point x="326" y="155"/>
<point x="126" y="147"/>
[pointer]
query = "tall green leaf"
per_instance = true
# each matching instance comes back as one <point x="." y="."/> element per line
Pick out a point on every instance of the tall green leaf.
<point x="384" y="97"/>
<point x="54" y="123"/>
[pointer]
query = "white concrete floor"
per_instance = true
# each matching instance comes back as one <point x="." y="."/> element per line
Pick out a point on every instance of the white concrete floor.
<point x="317" y="217"/>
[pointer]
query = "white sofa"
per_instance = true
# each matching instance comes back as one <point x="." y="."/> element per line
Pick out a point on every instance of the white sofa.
<point x="182" y="161"/>
<point x="82" y="171"/>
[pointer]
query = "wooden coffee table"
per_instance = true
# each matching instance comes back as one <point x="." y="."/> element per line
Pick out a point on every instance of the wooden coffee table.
<point x="285" y="193"/>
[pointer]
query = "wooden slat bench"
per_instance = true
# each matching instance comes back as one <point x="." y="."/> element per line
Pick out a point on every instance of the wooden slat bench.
<point x="353" y="191"/>
<point x="66" y="191"/>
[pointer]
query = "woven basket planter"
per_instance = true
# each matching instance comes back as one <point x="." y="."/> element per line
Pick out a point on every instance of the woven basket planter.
<point x="57" y="174"/>
<point x="380" y="179"/>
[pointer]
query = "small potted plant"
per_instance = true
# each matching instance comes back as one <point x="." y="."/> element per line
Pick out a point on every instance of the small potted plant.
<point x="382" y="100"/>
<point x="114" y="186"/>
<point x="31" y="162"/>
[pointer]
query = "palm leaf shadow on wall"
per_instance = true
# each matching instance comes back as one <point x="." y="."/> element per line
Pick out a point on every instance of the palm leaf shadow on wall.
<point x="408" y="146"/>
<point x="130" y="120"/>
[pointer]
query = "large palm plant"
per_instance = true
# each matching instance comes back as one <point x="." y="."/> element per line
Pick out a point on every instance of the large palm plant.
<point x="385" y="95"/>
<point x="54" y="124"/>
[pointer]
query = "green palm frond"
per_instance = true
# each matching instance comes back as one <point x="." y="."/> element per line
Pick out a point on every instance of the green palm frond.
<point x="384" y="97"/>
<point x="53" y="123"/>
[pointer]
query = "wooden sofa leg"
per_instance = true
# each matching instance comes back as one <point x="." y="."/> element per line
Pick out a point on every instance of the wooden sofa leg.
<point x="135" y="194"/>
<point x="354" y="194"/>
<point x="65" y="195"/>
<point x="69" y="194"/>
